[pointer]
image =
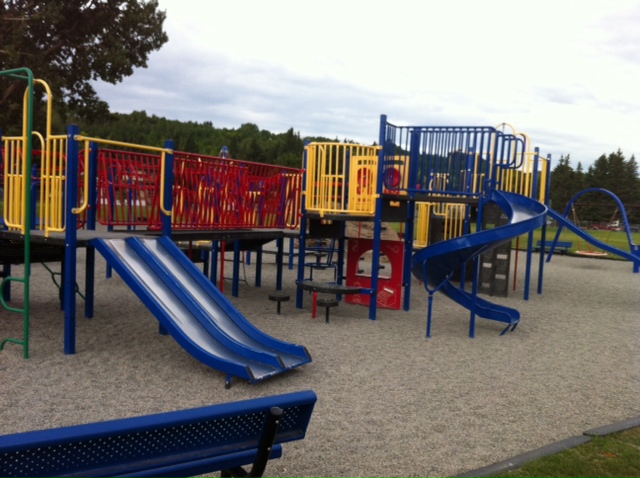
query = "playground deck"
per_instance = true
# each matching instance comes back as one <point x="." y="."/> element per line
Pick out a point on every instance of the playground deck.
<point x="249" y="236"/>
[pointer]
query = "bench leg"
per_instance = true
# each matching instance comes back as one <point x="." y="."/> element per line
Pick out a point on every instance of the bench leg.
<point x="265" y="446"/>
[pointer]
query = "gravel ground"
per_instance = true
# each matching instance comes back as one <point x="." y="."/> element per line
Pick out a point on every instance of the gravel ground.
<point x="390" y="402"/>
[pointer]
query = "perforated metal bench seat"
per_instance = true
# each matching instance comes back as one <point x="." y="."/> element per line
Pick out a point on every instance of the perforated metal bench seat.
<point x="181" y="443"/>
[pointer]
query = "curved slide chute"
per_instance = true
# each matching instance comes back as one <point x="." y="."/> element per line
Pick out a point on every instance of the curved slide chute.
<point x="198" y="316"/>
<point x="436" y="264"/>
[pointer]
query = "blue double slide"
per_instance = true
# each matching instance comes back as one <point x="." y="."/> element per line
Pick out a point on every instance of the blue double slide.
<point x="198" y="316"/>
<point x="436" y="264"/>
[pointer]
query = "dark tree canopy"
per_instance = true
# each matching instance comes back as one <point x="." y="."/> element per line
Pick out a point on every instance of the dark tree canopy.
<point x="565" y="183"/>
<point x="612" y="172"/>
<point x="69" y="43"/>
<point x="248" y="142"/>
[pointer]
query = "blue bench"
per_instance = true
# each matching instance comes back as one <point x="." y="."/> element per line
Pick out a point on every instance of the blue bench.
<point x="181" y="443"/>
<point x="562" y="246"/>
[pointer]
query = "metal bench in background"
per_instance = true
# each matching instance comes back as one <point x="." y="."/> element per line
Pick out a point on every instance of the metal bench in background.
<point x="562" y="246"/>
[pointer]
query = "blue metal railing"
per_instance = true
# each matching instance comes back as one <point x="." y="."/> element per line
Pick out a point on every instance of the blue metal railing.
<point x="463" y="161"/>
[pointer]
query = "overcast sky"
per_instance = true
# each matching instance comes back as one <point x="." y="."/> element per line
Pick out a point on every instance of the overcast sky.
<point x="566" y="73"/>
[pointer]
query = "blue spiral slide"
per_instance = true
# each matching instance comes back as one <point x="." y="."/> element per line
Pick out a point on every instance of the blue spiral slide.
<point x="436" y="264"/>
<point x="198" y="316"/>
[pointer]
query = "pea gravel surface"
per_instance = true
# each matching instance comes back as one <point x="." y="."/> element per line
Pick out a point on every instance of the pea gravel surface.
<point x="390" y="402"/>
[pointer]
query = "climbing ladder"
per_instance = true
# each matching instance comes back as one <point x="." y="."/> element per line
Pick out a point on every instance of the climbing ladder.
<point x="17" y="154"/>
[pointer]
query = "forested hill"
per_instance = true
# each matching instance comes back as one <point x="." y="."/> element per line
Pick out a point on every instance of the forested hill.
<point x="247" y="142"/>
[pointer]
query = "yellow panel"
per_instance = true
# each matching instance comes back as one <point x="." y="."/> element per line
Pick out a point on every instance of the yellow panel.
<point x="332" y="178"/>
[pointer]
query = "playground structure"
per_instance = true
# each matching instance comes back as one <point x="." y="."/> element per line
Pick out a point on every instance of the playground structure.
<point x="133" y="203"/>
<point x="432" y="180"/>
<point x="130" y="203"/>
<point x="458" y="194"/>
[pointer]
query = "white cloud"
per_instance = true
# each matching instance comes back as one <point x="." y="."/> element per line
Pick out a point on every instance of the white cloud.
<point x="564" y="72"/>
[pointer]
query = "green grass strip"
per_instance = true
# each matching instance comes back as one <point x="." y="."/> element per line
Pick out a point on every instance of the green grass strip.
<point x="612" y="455"/>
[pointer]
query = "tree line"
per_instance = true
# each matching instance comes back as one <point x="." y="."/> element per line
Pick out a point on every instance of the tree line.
<point x="612" y="172"/>
<point x="248" y="142"/>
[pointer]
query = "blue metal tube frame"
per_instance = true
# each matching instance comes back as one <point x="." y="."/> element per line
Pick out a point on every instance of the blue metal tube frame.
<point x="71" y="242"/>
<point x="91" y="169"/>
<point x="303" y="231"/>
<point x="534" y="193"/>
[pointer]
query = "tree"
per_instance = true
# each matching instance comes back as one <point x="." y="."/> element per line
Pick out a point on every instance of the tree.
<point x="618" y="175"/>
<point x="565" y="183"/>
<point x="69" y="43"/>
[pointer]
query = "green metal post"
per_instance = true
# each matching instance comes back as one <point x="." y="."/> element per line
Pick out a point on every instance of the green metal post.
<point x="24" y="74"/>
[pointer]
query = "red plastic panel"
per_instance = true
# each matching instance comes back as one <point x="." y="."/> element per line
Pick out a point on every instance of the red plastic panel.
<point x="389" y="285"/>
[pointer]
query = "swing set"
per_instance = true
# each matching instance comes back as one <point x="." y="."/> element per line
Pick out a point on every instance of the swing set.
<point x="584" y="248"/>
<point x="602" y="246"/>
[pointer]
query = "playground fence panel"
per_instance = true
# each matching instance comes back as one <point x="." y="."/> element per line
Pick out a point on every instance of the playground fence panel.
<point x="453" y="216"/>
<point x="208" y="192"/>
<point x="16" y="182"/>
<point x="459" y="161"/>
<point x="423" y="226"/>
<point x="274" y="192"/>
<point x="52" y="184"/>
<point x="443" y="160"/>
<point x="128" y="188"/>
<point x="46" y="183"/>
<point x="232" y="194"/>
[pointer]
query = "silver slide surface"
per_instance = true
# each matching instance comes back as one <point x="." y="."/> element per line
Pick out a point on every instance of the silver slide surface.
<point x="194" y="311"/>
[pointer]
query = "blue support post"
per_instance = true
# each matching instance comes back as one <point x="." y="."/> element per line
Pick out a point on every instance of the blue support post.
<point x="91" y="169"/>
<point x="377" y="224"/>
<point x="301" y="255"/>
<point x="168" y="188"/>
<point x="71" y="242"/>
<point x="168" y="200"/>
<point x="544" y="228"/>
<point x="291" y="252"/>
<point x="215" y="249"/>
<point x="258" y="266"/>
<point x="409" y="229"/>
<point x="303" y="229"/>
<point x="534" y="189"/>
<point x="341" y="255"/>
<point x="474" y="294"/>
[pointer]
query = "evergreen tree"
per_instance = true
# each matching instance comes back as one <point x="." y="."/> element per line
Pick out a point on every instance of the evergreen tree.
<point x="564" y="183"/>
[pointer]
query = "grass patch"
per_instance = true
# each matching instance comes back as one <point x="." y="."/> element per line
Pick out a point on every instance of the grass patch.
<point x="612" y="455"/>
<point x="617" y="239"/>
